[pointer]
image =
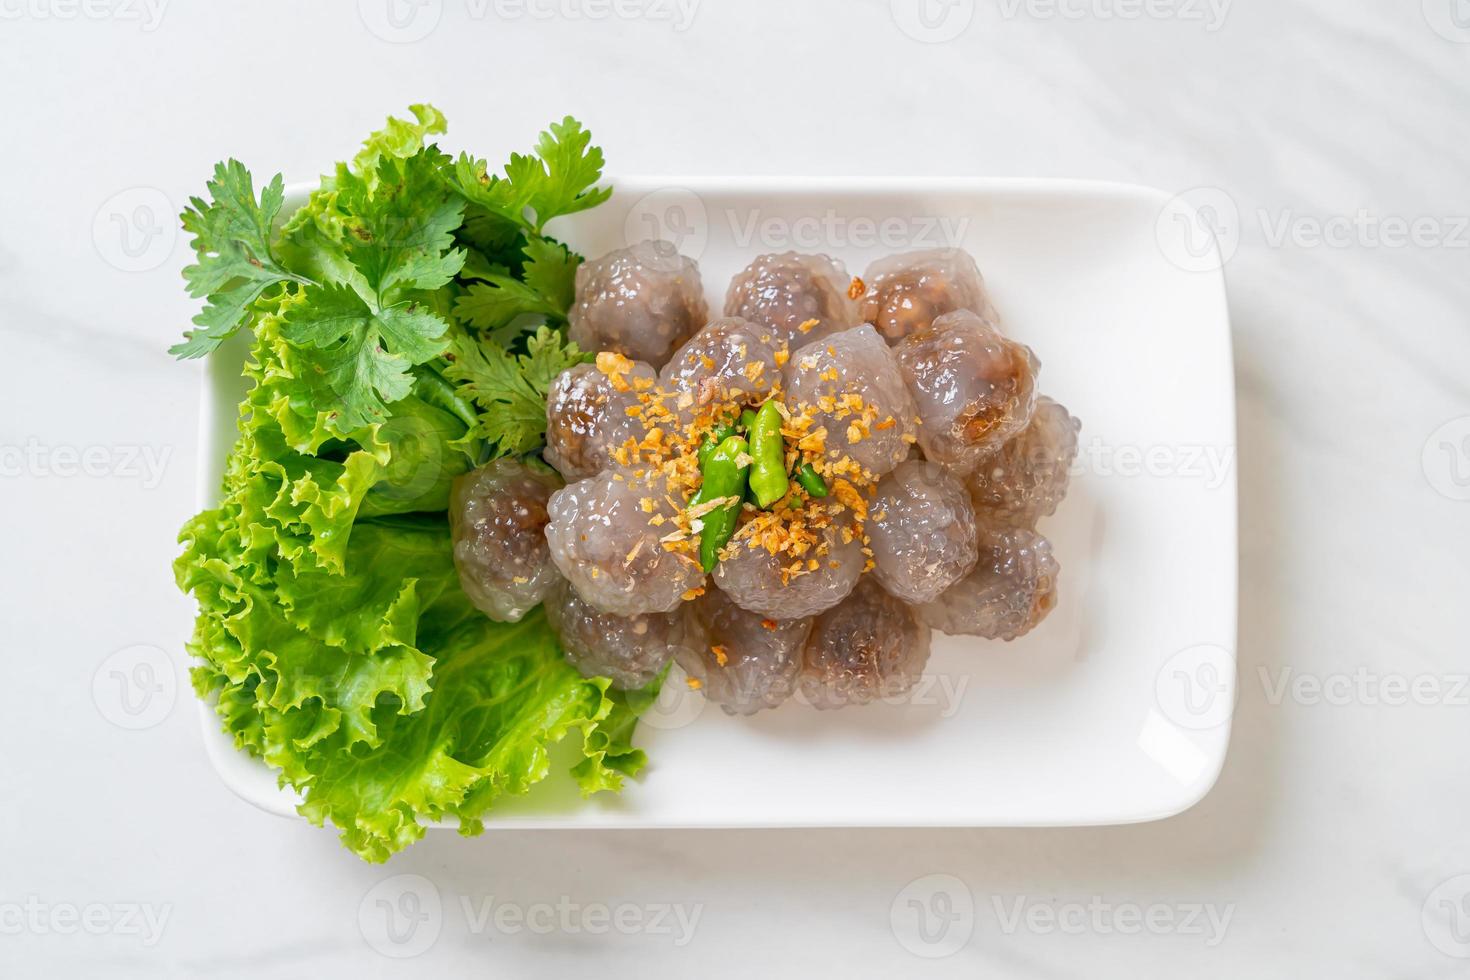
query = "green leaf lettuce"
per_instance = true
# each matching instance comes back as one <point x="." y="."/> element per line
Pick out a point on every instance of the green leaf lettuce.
<point x="333" y="635"/>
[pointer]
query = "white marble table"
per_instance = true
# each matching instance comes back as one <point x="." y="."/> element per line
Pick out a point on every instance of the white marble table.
<point x="1335" y="843"/>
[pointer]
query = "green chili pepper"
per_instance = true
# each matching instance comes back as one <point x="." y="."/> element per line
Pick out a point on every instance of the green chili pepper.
<point x="747" y="420"/>
<point x="768" y="472"/>
<point x="716" y="436"/>
<point x="723" y="477"/>
<point x="811" y="481"/>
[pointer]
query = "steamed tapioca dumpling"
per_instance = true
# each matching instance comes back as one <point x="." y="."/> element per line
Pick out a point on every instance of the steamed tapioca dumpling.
<point x="497" y="517"/>
<point x="730" y="360"/>
<point x="629" y="649"/>
<point x="847" y="395"/>
<point x="785" y="291"/>
<point x="743" y="661"/>
<point x="587" y="416"/>
<point x="1028" y="478"/>
<point x="907" y="292"/>
<point x="642" y="301"/>
<point x="605" y="538"/>
<point x="975" y="389"/>
<point x="921" y="529"/>
<point x="1011" y="590"/>
<point x="794" y="572"/>
<point x="871" y="646"/>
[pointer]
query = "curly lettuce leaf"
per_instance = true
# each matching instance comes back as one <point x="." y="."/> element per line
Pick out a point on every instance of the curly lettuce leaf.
<point x="399" y="138"/>
<point x="502" y="696"/>
<point x="386" y="696"/>
<point x="333" y="636"/>
<point x="297" y="479"/>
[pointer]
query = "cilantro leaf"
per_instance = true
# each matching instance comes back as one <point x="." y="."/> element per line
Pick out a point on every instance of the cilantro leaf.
<point x="548" y="354"/>
<point x="558" y="180"/>
<point x="544" y="290"/>
<point x="493" y="235"/>
<point x="573" y="166"/>
<point x="499" y="300"/>
<point x="510" y="389"/>
<point x="364" y="353"/>
<point x="367" y="331"/>
<point x="403" y="238"/>
<point x="551" y="270"/>
<point x="232" y="239"/>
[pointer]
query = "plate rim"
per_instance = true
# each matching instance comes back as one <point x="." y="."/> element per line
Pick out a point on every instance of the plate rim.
<point x="266" y="794"/>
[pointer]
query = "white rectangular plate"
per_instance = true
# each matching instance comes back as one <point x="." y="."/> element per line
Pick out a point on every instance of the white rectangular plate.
<point x="1117" y="709"/>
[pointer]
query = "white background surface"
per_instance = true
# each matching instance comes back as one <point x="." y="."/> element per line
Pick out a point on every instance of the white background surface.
<point x="1336" y="838"/>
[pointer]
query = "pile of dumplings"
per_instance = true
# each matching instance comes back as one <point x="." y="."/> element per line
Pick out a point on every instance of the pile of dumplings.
<point x="898" y="387"/>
